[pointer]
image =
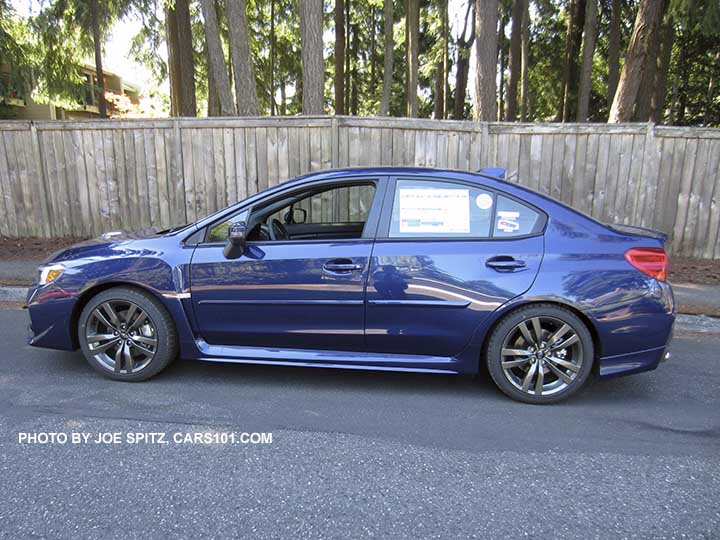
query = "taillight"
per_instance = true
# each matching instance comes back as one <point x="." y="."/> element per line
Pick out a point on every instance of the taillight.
<point x="650" y="261"/>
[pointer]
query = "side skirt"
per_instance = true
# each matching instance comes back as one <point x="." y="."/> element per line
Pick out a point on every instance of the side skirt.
<point x="327" y="359"/>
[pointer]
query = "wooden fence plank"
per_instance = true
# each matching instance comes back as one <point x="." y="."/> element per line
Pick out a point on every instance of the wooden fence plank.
<point x="600" y="184"/>
<point x="694" y="208"/>
<point x="706" y="232"/>
<point x="688" y="168"/>
<point x="23" y="207"/>
<point x="10" y="221"/>
<point x="163" y="180"/>
<point x="713" y="178"/>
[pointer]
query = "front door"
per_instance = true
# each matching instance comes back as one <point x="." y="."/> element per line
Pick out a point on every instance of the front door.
<point x="447" y="255"/>
<point x="290" y="291"/>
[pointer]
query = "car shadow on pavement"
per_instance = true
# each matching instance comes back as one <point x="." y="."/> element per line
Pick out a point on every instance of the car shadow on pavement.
<point x="235" y="377"/>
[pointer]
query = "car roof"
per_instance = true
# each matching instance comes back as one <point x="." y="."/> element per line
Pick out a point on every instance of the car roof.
<point x="490" y="177"/>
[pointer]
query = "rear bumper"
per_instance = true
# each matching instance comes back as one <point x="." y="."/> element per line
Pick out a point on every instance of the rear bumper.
<point x="627" y="364"/>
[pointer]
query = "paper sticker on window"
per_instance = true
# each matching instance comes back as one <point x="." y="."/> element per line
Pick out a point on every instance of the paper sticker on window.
<point x="430" y="210"/>
<point x="484" y="201"/>
<point x="508" y="221"/>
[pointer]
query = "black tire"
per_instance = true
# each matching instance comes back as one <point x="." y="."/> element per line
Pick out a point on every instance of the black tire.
<point x="508" y="337"/>
<point x="157" y="329"/>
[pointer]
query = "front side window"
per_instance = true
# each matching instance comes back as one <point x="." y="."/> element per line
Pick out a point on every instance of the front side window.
<point x="336" y="212"/>
<point x="219" y="232"/>
<point x="425" y="208"/>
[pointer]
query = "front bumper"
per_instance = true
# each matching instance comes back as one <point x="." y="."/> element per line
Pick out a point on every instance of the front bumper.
<point x="51" y="310"/>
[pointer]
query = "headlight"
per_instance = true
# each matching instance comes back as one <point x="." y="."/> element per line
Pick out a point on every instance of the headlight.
<point x="50" y="273"/>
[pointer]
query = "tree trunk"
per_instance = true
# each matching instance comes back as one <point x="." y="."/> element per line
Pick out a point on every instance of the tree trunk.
<point x="354" y="96"/>
<point x="313" y="70"/>
<point x="243" y="72"/>
<point x="515" y="62"/>
<point x="213" y="106"/>
<point x="412" y="14"/>
<point x="614" y="49"/>
<point x="348" y="57"/>
<point x="643" y="102"/>
<point x="588" y="51"/>
<point x="463" y="62"/>
<point x="187" y="105"/>
<point x="646" y="92"/>
<point x="216" y="59"/>
<point x="373" y="48"/>
<point x="273" y="106"/>
<point x="646" y="23"/>
<point x="501" y="61"/>
<point x="657" y="107"/>
<point x="486" y="40"/>
<point x="525" y="71"/>
<point x="339" y="57"/>
<point x="441" y="66"/>
<point x="388" y="67"/>
<point x="174" y="68"/>
<point x="573" y="40"/>
<point x="99" y="74"/>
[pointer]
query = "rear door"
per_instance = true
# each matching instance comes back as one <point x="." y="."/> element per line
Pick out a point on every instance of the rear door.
<point x="447" y="255"/>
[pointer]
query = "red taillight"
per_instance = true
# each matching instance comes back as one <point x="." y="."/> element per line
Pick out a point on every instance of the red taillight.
<point x="650" y="261"/>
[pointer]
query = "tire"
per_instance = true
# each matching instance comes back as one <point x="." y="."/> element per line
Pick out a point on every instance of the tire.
<point x="130" y="325"/>
<point x="565" y="354"/>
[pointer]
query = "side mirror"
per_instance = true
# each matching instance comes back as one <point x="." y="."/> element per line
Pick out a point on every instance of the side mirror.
<point x="235" y="246"/>
<point x="296" y="215"/>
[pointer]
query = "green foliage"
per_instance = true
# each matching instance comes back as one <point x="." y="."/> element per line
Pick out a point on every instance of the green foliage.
<point x="15" y="53"/>
<point x="44" y="53"/>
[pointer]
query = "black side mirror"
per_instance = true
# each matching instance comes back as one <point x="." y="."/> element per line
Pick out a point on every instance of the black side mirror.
<point x="235" y="246"/>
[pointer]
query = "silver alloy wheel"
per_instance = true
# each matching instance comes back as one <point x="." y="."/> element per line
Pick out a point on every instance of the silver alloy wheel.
<point x="121" y="336"/>
<point x="542" y="356"/>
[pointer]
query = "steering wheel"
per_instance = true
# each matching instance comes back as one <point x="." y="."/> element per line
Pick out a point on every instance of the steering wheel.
<point x="278" y="231"/>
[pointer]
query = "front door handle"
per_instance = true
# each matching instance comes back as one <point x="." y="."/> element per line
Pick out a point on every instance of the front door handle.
<point x="505" y="263"/>
<point x="342" y="266"/>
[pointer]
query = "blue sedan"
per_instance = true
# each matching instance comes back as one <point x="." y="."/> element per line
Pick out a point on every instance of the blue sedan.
<point x="393" y="269"/>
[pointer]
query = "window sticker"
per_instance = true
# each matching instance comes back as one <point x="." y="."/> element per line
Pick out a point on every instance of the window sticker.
<point x="508" y="221"/>
<point x="431" y="210"/>
<point x="484" y="201"/>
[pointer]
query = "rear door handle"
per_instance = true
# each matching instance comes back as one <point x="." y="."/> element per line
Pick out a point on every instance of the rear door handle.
<point x="505" y="264"/>
<point x="342" y="266"/>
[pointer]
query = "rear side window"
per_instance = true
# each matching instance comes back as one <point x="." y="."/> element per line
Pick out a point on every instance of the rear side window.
<point x="426" y="209"/>
<point x="514" y="219"/>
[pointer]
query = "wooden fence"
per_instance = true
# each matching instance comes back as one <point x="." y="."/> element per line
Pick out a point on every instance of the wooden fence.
<point x="81" y="178"/>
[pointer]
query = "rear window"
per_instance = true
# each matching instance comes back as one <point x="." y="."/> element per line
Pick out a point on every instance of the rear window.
<point x="514" y="219"/>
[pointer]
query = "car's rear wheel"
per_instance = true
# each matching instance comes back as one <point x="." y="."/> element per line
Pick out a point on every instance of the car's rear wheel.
<point x="541" y="353"/>
<point x="127" y="334"/>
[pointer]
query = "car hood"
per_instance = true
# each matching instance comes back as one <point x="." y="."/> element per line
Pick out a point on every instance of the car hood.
<point x="105" y="240"/>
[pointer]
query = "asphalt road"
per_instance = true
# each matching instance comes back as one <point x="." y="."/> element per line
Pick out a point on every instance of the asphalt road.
<point x="356" y="454"/>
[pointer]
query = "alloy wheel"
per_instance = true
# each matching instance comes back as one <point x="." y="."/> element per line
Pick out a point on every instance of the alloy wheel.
<point x="542" y="356"/>
<point x="121" y="336"/>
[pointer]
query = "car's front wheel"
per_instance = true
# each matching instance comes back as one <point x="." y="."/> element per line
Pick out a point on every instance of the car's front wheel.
<point x="126" y="334"/>
<point x="541" y="353"/>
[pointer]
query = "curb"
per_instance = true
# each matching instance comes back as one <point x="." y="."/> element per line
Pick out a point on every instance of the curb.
<point x="697" y="324"/>
<point x="13" y="294"/>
